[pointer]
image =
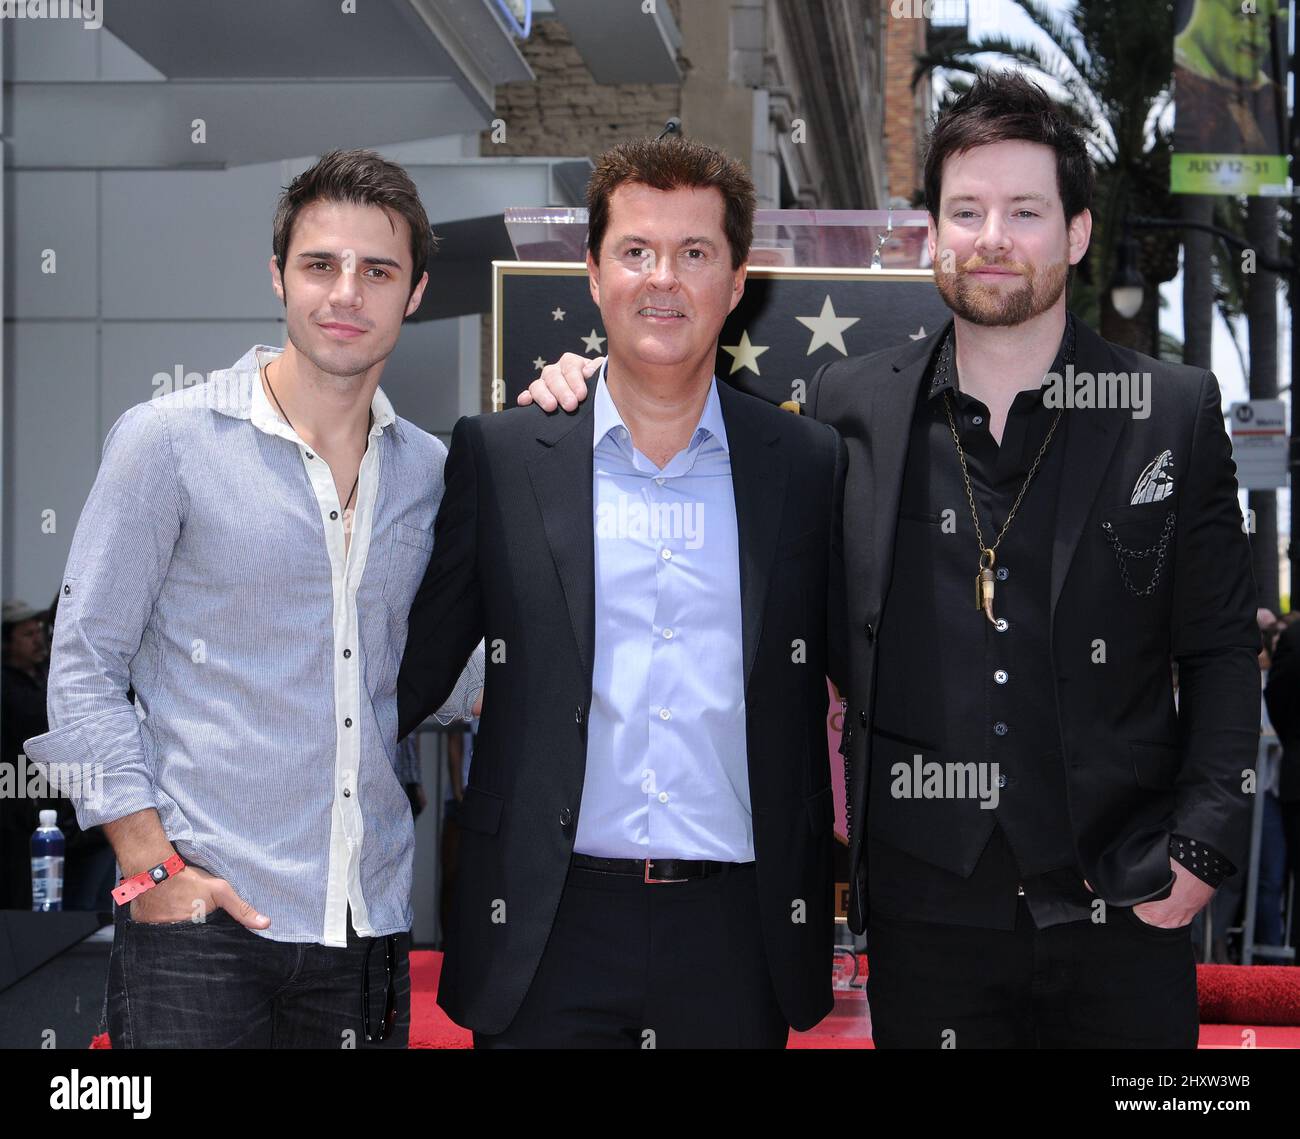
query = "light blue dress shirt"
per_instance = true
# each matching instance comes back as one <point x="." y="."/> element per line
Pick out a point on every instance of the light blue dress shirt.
<point x="667" y="765"/>
<point x="208" y="572"/>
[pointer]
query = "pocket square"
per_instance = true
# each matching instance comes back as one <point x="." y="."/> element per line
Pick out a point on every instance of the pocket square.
<point x="1156" y="482"/>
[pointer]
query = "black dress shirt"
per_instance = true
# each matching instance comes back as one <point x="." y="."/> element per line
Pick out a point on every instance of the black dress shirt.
<point x="965" y="690"/>
<point x="960" y="689"/>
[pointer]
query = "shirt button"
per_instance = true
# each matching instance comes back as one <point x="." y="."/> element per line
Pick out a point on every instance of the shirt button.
<point x="663" y="796"/>
<point x="346" y="793"/>
<point x="566" y="816"/>
<point x="668" y="634"/>
<point x="334" y="514"/>
<point x="347" y="653"/>
<point x="1002" y="624"/>
<point x="66" y="590"/>
<point x="977" y="420"/>
<point x="999" y="729"/>
<point x="665" y="714"/>
<point x="1001" y="676"/>
<point x="659" y="481"/>
<point x="348" y="722"/>
<point x="1002" y="573"/>
<point x="310" y="455"/>
<point x="666" y="554"/>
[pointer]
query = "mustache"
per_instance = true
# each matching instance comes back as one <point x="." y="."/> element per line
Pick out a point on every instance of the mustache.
<point x="975" y="262"/>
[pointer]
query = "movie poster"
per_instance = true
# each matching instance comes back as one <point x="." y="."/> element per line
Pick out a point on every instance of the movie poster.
<point x="1230" y="97"/>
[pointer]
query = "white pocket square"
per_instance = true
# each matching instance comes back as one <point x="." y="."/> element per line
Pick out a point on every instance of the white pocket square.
<point x="1156" y="482"/>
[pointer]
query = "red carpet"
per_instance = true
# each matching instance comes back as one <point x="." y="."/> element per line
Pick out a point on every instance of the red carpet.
<point x="1253" y="1006"/>
<point x="430" y="1027"/>
<point x="1258" y="1004"/>
<point x="1256" y="994"/>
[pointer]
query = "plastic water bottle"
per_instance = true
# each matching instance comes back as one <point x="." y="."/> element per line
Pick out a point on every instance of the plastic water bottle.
<point x="47" y="864"/>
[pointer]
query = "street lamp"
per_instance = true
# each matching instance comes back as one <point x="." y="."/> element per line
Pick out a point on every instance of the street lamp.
<point x="1127" y="287"/>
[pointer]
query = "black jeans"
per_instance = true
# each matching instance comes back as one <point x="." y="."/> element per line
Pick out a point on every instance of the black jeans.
<point x="215" y="984"/>
<point x="1116" y="984"/>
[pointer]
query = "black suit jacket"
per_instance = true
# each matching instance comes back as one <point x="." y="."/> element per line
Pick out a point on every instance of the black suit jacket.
<point x="513" y="562"/>
<point x="1136" y="769"/>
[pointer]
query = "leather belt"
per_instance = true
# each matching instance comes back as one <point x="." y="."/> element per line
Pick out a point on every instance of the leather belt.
<point x="652" y="871"/>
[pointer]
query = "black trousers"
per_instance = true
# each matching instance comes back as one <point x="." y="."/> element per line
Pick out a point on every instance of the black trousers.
<point x="1115" y="984"/>
<point x="631" y="965"/>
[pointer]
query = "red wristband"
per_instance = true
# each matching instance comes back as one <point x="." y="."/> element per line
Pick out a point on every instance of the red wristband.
<point x="137" y="884"/>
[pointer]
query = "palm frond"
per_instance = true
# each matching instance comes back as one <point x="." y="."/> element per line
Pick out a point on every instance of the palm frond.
<point x="1060" y="28"/>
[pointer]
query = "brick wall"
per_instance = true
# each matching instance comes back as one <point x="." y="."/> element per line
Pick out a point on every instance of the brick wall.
<point x="904" y="118"/>
<point x="565" y="111"/>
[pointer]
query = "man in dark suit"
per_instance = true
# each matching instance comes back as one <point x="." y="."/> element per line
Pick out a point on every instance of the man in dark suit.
<point x="646" y="832"/>
<point x="1036" y="522"/>
<point x="1107" y="493"/>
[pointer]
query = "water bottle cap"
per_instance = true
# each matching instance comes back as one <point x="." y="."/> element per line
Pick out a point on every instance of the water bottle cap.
<point x="49" y="818"/>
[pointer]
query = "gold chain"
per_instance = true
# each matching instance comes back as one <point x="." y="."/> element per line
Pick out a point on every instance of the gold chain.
<point x="965" y="474"/>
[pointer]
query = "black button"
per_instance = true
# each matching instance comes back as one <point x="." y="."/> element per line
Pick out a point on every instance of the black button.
<point x="347" y="653"/>
<point x="1003" y="573"/>
<point x="334" y="513"/>
<point x="862" y="719"/>
<point x="871" y="632"/>
<point x="346" y="793"/>
<point x="577" y="714"/>
<point x="1002" y="780"/>
<point x="999" y="729"/>
<point x="348" y="722"/>
<point x="566" y="816"/>
<point x="66" y="590"/>
<point x="310" y="455"/>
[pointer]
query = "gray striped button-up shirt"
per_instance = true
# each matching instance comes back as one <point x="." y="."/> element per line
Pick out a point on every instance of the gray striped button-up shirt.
<point x="208" y="572"/>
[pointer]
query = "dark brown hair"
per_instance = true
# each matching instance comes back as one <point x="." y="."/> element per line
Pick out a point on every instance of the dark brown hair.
<point x="1007" y="107"/>
<point x="673" y="163"/>
<point x="363" y="178"/>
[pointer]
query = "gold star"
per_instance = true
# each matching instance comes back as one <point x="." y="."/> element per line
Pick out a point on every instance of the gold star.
<point x="744" y="355"/>
<point x="593" y="342"/>
<point x="827" y="328"/>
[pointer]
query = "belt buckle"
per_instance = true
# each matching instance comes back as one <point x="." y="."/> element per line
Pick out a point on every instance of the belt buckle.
<point x="655" y="881"/>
